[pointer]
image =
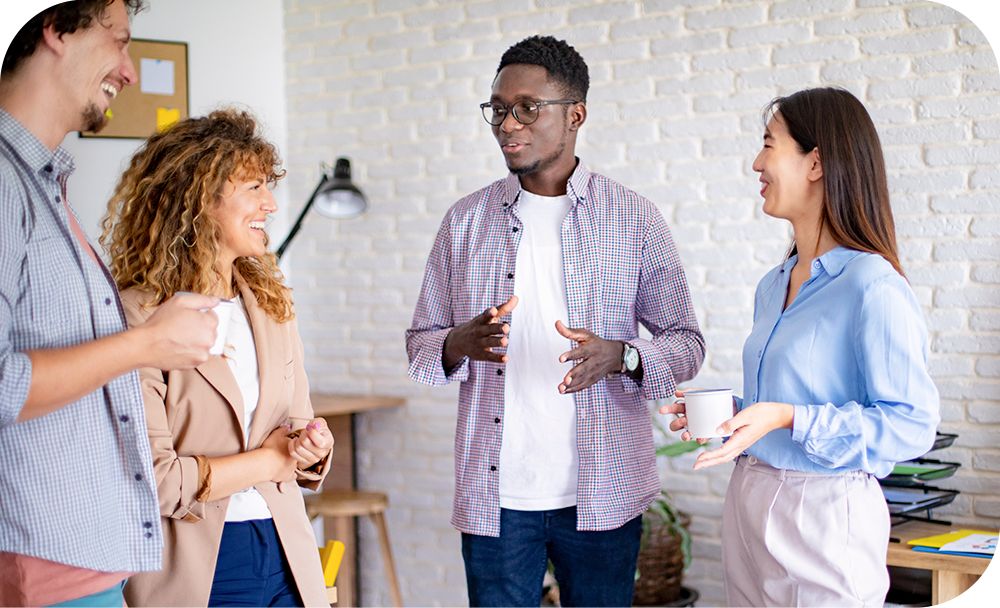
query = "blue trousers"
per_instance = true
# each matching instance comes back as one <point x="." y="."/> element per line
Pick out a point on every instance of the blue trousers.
<point x="252" y="569"/>
<point x="111" y="597"/>
<point x="592" y="568"/>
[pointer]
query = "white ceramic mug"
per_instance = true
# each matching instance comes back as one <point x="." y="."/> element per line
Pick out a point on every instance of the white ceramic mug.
<point x="706" y="409"/>
<point x="224" y="311"/>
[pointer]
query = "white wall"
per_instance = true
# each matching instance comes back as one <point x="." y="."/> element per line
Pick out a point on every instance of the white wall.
<point x="677" y="89"/>
<point x="235" y="55"/>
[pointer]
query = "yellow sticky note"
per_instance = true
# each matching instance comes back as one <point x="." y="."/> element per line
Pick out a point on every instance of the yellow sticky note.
<point x="166" y="117"/>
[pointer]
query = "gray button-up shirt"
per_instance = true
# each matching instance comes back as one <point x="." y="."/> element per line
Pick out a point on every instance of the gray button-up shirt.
<point x="76" y="485"/>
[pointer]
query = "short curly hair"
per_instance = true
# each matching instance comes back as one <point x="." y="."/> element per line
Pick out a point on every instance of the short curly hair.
<point x="563" y="63"/>
<point x="66" y="17"/>
<point x="160" y="230"/>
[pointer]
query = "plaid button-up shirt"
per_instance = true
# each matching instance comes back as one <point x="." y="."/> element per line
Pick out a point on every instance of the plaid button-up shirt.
<point x="76" y="485"/>
<point x="621" y="268"/>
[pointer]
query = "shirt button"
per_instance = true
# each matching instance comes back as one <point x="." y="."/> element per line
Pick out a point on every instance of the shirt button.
<point x="147" y="524"/>
<point x="107" y="301"/>
<point x="138" y="476"/>
<point x="496" y="420"/>
<point x="514" y="229"/>
<point x="510" y="275"/>
<point x="123" y="418"/>
<point x="816" y="264"/>
<point x="149" y="535"/>
<point x="493" y="467"/>
<point x="48" y="168"/>
<point x="499" y="372"/>
<point x="58" y="198"/>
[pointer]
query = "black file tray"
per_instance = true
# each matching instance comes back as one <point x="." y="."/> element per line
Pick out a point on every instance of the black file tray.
<point x="904" y="501"/>
<point x="919" y="471"/>
<point x="943" y="440"/>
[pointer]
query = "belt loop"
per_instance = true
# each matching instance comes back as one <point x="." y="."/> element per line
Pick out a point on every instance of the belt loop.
<point x="781" y="474"/>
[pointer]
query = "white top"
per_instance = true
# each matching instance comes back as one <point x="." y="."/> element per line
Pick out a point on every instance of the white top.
<point x="538" y="455"/>
<point x="241" y="355"/>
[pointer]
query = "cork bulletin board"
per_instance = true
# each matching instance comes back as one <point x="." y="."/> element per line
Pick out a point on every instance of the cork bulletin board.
<point x="158" y="99"/>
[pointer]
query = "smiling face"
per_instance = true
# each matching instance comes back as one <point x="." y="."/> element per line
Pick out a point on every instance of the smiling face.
<point x="240" y="214"/>
<point x="546" y="145"/>
<point x="98" y="65"/>
<point x="791" y="181"/>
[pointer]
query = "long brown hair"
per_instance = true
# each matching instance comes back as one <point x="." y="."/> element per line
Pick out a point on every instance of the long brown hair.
<point x="157" y="231"/>
<point x="855" y="191"/>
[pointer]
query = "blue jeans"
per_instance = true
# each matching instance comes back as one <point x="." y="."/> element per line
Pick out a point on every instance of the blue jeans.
<point x="252" y="569"/>
<point x="111" y="597"/>
<point x="592" y="568"/>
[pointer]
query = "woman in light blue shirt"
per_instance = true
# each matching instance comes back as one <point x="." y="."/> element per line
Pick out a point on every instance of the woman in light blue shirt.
<point x="836" y="388"/>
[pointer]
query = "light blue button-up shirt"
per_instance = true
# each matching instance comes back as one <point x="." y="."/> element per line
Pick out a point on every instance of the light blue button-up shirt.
<point x="76" y="485"/>
<point x="850" y="354"/>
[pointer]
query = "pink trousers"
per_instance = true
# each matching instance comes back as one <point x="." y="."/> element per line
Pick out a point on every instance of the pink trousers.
<point x="803" y="539"/>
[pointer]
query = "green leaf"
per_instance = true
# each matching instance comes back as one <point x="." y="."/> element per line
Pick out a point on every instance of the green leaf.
<point x="677" y="448"/>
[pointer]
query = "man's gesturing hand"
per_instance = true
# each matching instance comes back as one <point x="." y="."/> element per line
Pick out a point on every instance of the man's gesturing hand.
<point x="598" y="358"/>
<point x="477" y="338"/>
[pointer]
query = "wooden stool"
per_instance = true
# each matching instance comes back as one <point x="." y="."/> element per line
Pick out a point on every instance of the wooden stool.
<point x="355" y="503"/>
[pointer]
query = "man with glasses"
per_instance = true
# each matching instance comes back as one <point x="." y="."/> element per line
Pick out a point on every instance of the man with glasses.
<point x="532" y="297"/>
<point x="78" y="507"/>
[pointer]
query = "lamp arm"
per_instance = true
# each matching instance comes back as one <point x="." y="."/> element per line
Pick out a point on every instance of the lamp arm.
<point x="298" y="221"/>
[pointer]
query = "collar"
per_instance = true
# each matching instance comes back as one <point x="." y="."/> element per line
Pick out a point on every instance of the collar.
<point x="834" y="261"/>
<point x="576" y="186"/>
<point x="33" y="153"/>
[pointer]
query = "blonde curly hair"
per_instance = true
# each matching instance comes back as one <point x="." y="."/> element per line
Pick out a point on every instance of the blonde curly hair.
<point x="157" y="232"/>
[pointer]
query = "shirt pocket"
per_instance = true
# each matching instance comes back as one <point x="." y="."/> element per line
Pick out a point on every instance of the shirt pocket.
<point x="55" y="294"/>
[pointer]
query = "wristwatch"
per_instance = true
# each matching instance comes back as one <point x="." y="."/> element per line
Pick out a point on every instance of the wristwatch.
<point x="630" y="359"/>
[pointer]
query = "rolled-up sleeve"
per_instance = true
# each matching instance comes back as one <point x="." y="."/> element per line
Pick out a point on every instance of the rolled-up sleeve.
<point x="433" y="318"/>
<point x="177" y="477"/>
<point x="900" y="415"/>
<point x="663" y="306"/>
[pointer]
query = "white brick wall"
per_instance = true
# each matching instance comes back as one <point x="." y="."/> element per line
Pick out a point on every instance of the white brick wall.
<point x="677" y="88"/>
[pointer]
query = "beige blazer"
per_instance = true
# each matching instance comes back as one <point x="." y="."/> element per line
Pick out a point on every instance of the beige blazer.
<point x="200" y="412"/>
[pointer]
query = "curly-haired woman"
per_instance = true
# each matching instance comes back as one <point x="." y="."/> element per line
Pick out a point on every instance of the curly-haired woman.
<point x="189" y="215"/>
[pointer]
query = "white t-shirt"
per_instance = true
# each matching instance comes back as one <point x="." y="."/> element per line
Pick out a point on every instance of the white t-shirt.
<point x="538" y="455"/>
<point x="241" y="355"/>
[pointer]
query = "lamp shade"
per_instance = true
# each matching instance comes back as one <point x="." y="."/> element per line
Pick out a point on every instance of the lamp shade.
<point x="334" y="197"/>
<point x="339" y="198"/>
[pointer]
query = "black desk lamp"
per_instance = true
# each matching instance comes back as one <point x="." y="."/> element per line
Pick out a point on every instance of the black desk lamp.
<point x="335" y="197"/>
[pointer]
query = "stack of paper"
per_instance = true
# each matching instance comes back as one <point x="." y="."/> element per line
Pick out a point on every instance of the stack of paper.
<point x="970" y="543"/>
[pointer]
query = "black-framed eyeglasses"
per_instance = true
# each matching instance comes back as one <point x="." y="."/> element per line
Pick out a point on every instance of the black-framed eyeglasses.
<point x="525" y="111"/>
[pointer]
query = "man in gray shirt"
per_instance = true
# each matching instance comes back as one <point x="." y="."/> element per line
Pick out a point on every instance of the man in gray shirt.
<point x="78" y="504"/>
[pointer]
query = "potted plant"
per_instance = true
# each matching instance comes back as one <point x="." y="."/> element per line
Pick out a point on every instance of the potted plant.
<point x="665" y="550"/>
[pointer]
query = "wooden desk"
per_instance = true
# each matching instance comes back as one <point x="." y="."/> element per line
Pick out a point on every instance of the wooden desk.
<point x="950" y="574"/>
<point x="339" y="410"/>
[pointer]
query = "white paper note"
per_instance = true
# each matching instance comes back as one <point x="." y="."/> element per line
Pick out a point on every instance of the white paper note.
<point x="973" y="543"/>
<point x="156" y="76"/>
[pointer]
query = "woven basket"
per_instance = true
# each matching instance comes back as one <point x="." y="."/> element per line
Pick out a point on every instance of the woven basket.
<point x="660" y="563"/>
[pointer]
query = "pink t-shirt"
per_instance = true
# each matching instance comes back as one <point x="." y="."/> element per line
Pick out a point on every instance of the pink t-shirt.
<point x="31" y="581"/>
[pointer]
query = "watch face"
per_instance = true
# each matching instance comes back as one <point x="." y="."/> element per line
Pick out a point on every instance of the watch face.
<point x="631" y="357"/>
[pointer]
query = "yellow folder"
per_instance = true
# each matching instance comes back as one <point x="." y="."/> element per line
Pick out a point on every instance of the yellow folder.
<point x="330" y="557"/>
<point x="941" y="540"/>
